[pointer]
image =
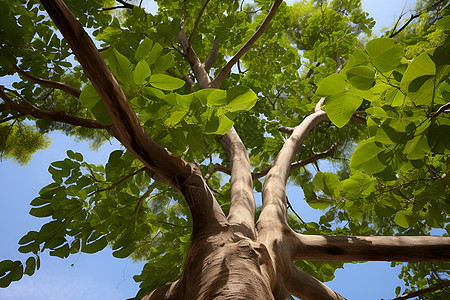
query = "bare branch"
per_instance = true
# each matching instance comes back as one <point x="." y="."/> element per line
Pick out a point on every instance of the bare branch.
<point x="242" y="201"/>
<point x="373" y="248"/>
<point x="217" y="168"/>
<point x="11" y="118"/>
<point x="126" y="4"/>
<point x="58" y="116"/>
<point x="264" y="171"/>
<point x="307" y="287"/>
<point x="48" y="83"/>
<point x="441" y="109"/>
<point x="274" y="189"/>
<point x="300" y="163"/>
<point x="393" y="34"/>
<point x="211" y="59"/>
<point x="189" y="82"/>
<point x="197" y="67"/>
<point x="227" y="68"/>
<point x="427" y="290"/>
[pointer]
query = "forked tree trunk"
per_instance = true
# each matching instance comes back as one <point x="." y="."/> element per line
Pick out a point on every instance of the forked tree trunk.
<point x="232" y="257"/>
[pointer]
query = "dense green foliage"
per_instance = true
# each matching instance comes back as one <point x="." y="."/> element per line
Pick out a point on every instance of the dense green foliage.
<point x="393" y="169"/>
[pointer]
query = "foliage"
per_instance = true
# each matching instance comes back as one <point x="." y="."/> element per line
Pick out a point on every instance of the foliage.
<point x="395" y="182"/>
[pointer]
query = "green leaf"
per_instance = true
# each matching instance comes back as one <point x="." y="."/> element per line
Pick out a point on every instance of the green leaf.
<point x="166" y="82"/>
<point x="401" y="219"/>
<point x="42" y="212"/>
<point x="61" y="252"/>
<point x="29" y="237"/>
<point x="385" y="54"/>
<point x="365" y="157"/>
<point x="10" y="271"/>
<point x="240" y="98"/>
<point x="328" y="182"/>
<point x="331" y="85"/>
<point x="141" y="73"/>
<point x="120" y="66"/>
<point x="417" y="147"/>
<point x="419" y="79"/>
<point x="101" y="114"/>
<point x="340" y="107"/>
<point x="95" y="246"/>
<point x="361" y="77"/>
<point x="30" y="266"/>
<point x="89" y="97"/>
<point x="143" y="49"/>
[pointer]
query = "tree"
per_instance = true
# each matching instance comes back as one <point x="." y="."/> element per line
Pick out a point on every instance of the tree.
<point x="164" y="86"/>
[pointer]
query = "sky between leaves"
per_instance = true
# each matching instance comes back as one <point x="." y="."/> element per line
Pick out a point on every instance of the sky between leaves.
<point x="100" y="276"/>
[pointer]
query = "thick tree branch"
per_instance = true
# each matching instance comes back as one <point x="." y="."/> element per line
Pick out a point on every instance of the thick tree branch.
<point x="427" y="290"/>
<point x="242" y="200"/>
<point x="211" y="59"/>
<point x="274" y="189"/>
<point x="57" y="116"/>
<point x="198" y="68"/>
<point x="264" y="171"/>
<point x="186" y="177"/>
<point x="307" y="287"/>
<point x="373" y="248"/>
<point x="227" y="68"/>
<point x="48" y="83"/>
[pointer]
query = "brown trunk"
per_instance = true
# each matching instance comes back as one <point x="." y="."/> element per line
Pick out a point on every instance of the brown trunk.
<point x="223" y="265"/>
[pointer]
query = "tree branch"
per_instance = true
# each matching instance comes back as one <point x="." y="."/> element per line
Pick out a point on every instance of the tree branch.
<point x="427" y="290"/>
<point x="405" y="25"/>
<point x="211" y="59"/>
<point x="307" y="287"/>
<point x="184" y="176"/>
<point x="242" y="201"/>
<point x="274" y="189"/>
<point x="441" y="110"/>
<point x="118" y="182"/>
<point x="198" y="68"/>
<point x="264" y="171"/>
<point x="58" y="116"/>
<point x="48" y="83"/>
<point x="126" y="4"/>
<point x="373" y="248"/>
<point x="227" y="68"/>
<point x="197" y="21"/>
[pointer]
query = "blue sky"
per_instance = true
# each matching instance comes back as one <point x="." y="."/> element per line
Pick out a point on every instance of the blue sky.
<point x="100" y="276"/>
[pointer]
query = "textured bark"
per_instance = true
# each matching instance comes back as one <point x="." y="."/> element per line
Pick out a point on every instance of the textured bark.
<point x="374" y="248"/>
<point x="231" y="258"/>
<point x="242" y="208"/>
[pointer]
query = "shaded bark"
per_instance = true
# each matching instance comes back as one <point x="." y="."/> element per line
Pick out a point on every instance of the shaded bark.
<point x="231" y="258"/>
<point x="373" y="248"/>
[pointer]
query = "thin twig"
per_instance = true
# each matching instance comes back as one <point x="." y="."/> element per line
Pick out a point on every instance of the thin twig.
<point x="118" y="182"/>
<point x="441" y="110"/>
<point x="48" y="83"/>
<point x="295" y="213"/>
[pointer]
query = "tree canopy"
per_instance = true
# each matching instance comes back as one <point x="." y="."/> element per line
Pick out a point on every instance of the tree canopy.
<point x="216" y="101"/>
